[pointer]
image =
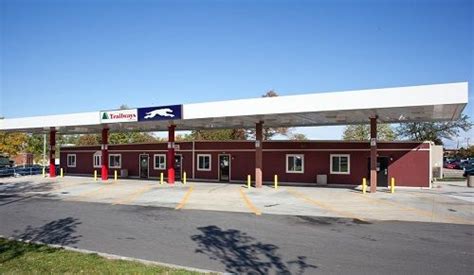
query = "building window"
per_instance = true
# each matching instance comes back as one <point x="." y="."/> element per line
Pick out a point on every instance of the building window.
<point x="160" y="162"/>
<point x="295" y="163"/>
<point x="71" y="160"/>
<point x="97" y="160"/>
<point x="204" y="162"/>
<point x="115" y="161"/>
<point x="340" y="164"/>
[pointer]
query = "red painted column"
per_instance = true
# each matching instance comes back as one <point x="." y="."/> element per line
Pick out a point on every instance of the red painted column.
<point x="373" y="154"/>
<point x="258" y="154"/>
<point x="170" y="161"/>
<point x="105" y="155"/>
<point x="52" y="153"/>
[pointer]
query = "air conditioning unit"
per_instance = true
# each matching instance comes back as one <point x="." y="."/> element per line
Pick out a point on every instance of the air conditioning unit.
<point x="322" y="179"/>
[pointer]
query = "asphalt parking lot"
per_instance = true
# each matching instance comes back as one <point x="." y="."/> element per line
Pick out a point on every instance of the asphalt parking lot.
<point x="449" y="202"/>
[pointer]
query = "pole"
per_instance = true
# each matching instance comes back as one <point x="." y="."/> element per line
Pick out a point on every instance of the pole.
<point x="184" y="177"/>
<point x="249" y="179"/>
<point x="364" y="185"/>
<point x="161" y="178"/>
<point x="44" y="150"/>
<point x="276" y="181"/>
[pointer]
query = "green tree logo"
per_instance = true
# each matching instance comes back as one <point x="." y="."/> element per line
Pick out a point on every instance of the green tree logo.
<point x="105" y="116"/>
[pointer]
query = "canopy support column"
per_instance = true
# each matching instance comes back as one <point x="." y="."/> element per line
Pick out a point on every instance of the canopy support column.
<point x="258" y="154"/>
<point x="52" y="153"/>
<point x="105" y="155"/>
<point x="170" y="161"/>
<point x="373" y="154"/>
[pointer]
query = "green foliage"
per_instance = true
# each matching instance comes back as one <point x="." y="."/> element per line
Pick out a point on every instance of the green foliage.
<point x="362" y="132"/>
<point x="218" y="134"/>
<point x="298" y="136"/>
<point x="117" y="138"/>
<point x="434" y="131"/>
<point x="23" y="258"/>
<point x="12" y="143"/>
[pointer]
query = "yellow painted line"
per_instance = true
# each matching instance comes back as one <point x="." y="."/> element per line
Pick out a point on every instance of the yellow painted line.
<point x="185" y="198"/>
<point x="323" y="205"/>
<point x="420" y="212"/>
<point x="133" y="195"/>
<point x="249" y="204"/>
<point x="88" y="193"/>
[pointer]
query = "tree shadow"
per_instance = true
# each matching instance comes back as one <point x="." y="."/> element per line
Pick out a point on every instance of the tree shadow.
<point x="241" y="253"/>
<point x="59" y="232"/>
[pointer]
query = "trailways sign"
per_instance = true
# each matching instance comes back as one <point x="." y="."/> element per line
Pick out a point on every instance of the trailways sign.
<point x="170" y="112"/>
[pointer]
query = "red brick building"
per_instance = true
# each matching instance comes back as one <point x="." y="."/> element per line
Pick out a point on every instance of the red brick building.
<point x="341" y="162"/>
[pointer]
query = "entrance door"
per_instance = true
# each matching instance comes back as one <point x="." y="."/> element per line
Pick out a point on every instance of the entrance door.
<point x="224" y="167"/>
<point x="382" y="171"/>
<point x="178" y="162"/>
<point x="144" y="162"/>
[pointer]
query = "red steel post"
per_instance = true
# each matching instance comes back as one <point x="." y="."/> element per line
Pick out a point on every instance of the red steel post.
<point x="52" y="153"/>
<point x="105" y="154"/>
<point x="170" y="161"/>
<point x="373" y="154"/>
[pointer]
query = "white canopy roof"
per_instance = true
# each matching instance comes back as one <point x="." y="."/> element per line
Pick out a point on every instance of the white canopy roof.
<point x="439" y="102"/>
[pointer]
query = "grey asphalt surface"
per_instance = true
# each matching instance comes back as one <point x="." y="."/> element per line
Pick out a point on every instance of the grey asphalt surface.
<point x="241" y="242"/>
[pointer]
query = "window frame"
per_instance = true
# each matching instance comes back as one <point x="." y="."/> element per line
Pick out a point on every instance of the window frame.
<point x="67" y="160"/>
<point x="331" y="170"/>
<point x="287" y="157"/>
<point x="198" y="162"/>
<point x="155" y="167"/>
<point x="97" y="154"/>
<point x="115" y="155"/>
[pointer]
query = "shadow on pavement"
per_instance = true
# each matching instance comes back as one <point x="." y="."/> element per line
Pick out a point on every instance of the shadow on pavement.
<point x="18" y="191"/>
<point x="241" y="253"/>
<point x="61" y="232"/>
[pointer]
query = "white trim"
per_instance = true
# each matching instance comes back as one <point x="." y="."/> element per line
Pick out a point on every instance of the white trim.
<point x="140" y="165"/>
<point x="193" y="161"/>
<point x="67" y="160"/>
<point x="431" y="167"/>
<point x="154" y="162"/>
<point x="97" y="154"/>
<point x="348" y="164"/>
<point x="302" y="163"/>
<point x="219" y="166"/>
<point x="210" y="162"/>
<point x="115" y="167"/>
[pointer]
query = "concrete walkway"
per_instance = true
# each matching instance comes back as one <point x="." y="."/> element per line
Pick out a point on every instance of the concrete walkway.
<point x="446" y="203"/>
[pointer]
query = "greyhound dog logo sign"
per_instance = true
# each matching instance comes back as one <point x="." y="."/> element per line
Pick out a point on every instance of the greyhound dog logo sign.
<point x="160" y="113"/>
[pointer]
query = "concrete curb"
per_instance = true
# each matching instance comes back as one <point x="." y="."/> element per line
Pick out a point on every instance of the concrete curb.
<point x="115" y="257"/>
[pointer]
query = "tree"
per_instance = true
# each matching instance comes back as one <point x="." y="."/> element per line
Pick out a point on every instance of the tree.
<point x="217" y="134"/>
<point x="12" y="143"/>
<point x="298" y="136"/>
<point x="268" y="132"/>
<point x="434" y="131"/>
<point x="89" y="139"/>
<point x="362" y="132"/>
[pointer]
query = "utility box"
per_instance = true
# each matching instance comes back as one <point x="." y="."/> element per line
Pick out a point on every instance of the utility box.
<point x="124" y="173"/>
<point x="322" y="179"/>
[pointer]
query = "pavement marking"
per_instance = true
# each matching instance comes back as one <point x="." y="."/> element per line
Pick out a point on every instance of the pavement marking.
<point x="133" y="195"/>
<point x="185" y="198"/>
<point x="322" y="205"/>
<point x="420" y="212"/>
<point x="249" y="204"/>
<point x="90" y="192"/>
<point x="58" y="187"/>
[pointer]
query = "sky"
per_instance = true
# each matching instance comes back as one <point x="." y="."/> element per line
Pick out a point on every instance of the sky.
<point x="75" y="56"/>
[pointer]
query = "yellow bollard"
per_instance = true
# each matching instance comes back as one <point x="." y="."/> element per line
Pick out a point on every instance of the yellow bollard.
<point x="392" y="186"/>
<point x="95" y="175"/>
<point x="115" y="175"/>
<point x="184" y="177"/>
<point x="249" y="179"/>
<point x="276" y="181"/>
<point x="44" y="172"/>
<point x="61" y="173"/>
<point x="161" y="178"/>
<point x="364" y="185"/>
